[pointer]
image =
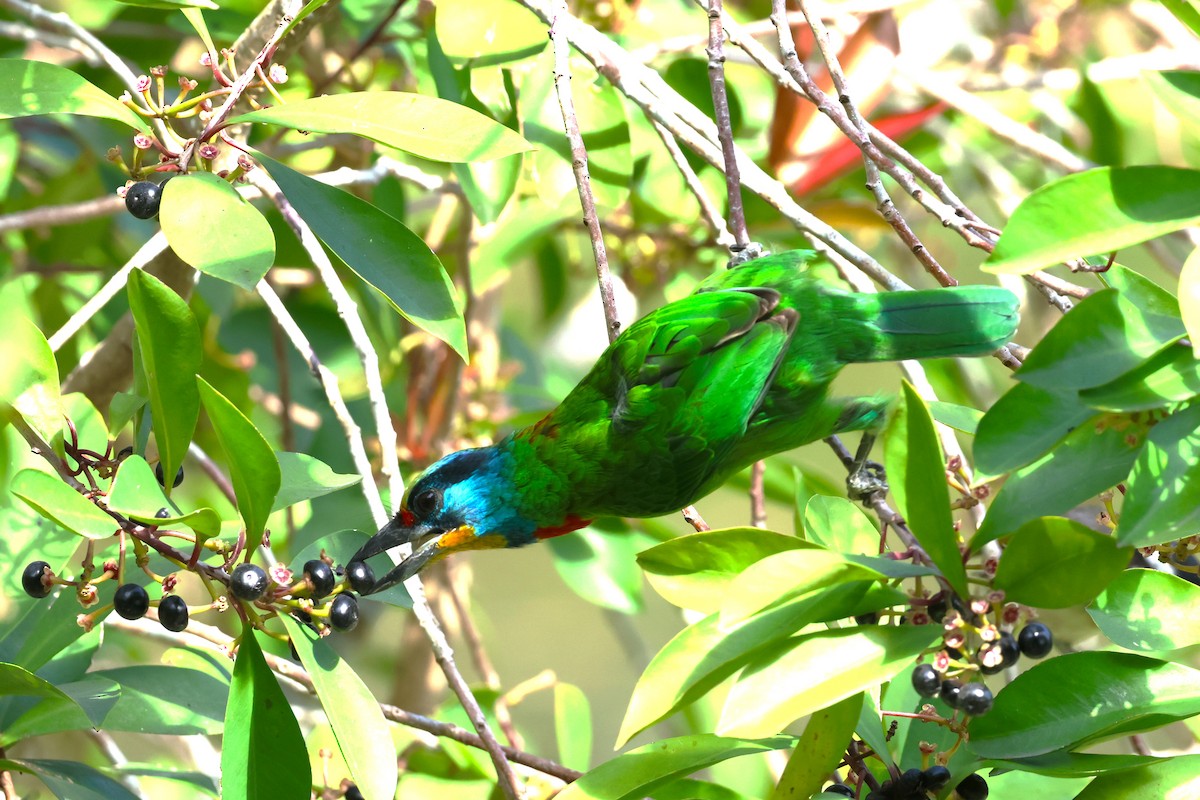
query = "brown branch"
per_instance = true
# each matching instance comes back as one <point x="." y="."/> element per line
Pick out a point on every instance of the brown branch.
<point x="758" y="500"/>
<point x="67" y="214"/>
<point x="716" y="79"/>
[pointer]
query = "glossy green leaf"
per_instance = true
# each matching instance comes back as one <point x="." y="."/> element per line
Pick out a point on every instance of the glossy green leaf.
<point x="169" y="342"/>
<point x="165" y="700"/>
<point x="1162" y="499"/>
<point x="1102" y="338"/>
<point x="806" y="673"/>
<point x="1094" y="212"/>
<point x="1185" y="12"/>
<point x="18" y="681"/>
<point x="1171" y="375"/>
<point x="87" y="705"/>
<point x="171" y="4"/>
<point x="358" y="723"/>
<point x="1189" y="298"/>
<point x="383" y="252"/>
<point x="695" y="571"/>
<point x="428" y="127"/>
<point x="309" y="7"/>
<point x="262" y="755"/>
<point x="71" y="780"/>
<point x="961" y="418"/>
<point x="785" y="575"/>
<point x="601" y="568"/>
<point x="1024" y="424"/>
<point x="916" y="470"/>
<point x="253" y="468"/>
<point x="214" y="230"/>
<point x="820" y="749"/>
<point x="303" y="477"/>
<point x="639" y="772"/>
<point x="30" y="88"/>
<point x="1111" y="694"/>
<point x="29" y="378"/>
<point x="1094" y="457"/>
<point x="1171" y="778"/>
<point x="692" y="789"/>
<point x="194" y="781"/>
<point x="1074" y="765"/>
<point x="836" y="523"/>
<point x="572" y="726"/>
<point x="121" y="410"/>
<point x="703" y="654"/>
<point x="488" y="32"/>
<point x="1051" y="562"/>
<point x="871" y="727"/>
<point x="137" y="494"/>
<point x="62" y="505"/>
<point x="196" y="18"/>
<point x="1144" y="609"/>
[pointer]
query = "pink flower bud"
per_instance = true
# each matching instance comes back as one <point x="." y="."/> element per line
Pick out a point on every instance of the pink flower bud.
<point x="206" y="59"/>
<point x="143" y="83"/>
<point x="278" y="73"/>
<point x="142" y="142"/>
<point x="159" y="72"/>
<point x="208" y="151"/>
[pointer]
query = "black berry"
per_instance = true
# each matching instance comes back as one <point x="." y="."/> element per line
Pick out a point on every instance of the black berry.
<point x="173" y="613"/>
<point x="926" y="681"/>
<point x="950" y="692"/>
<point x="1035" y="640"/>
<point x="361" y="576"/>
<point x="972" y="787"/>
<point x="143" y="199"/>
<point x="938" y="608"/>
<point x="908" y="784"/>
<point x="935" y="778"/>
<point x="319" y="576"/>
<point x="975" y="699"/>
<point x="162" y="513"/>
<point x="867" y="619"/>
<point x="839" y="788"/>
<point x="248" y="582"/>
<point x="158" y="473"/>
<point x="1010" y="651"/>
<point x="343" y="612"/>
<point x="131" y="601"/>
<point x="353" y="793"/>
<point x="31" y="579"/>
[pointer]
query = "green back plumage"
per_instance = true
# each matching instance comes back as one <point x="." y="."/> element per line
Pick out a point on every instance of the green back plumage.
<point x="739" y="370"/>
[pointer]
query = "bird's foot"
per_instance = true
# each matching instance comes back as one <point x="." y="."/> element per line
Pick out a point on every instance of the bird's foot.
<point x="865" y="480"/>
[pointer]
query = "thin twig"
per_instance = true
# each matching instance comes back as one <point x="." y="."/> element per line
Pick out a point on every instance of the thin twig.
<point x="758" y="500"/>
<point x="579" y="163"/>
<point x="692" y="517"/>
<point x="707" y="207"/>
<point x="716" y="80"/>
<point x="67" y="214"/>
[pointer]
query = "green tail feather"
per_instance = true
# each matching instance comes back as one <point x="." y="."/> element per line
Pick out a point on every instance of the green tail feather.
<point x="934" y="323"/>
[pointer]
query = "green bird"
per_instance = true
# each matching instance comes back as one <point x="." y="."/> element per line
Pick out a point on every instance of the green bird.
<point x="684" y="398"/>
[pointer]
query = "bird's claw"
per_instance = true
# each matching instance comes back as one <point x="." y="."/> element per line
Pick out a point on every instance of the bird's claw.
<point x="866" y="480"/>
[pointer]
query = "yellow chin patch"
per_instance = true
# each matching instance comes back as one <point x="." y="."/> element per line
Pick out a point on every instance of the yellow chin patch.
<point x="464" y="538"/>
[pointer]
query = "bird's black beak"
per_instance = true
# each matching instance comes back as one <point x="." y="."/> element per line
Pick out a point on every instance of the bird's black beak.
<point x="394" y="534"/>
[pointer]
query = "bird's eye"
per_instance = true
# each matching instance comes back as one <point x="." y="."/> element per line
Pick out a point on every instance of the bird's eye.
<point x="425" y="503"/>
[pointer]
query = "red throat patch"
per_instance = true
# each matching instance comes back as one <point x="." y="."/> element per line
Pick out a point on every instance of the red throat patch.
<point x="406" y="518"/>
<point x="571" y="523"/>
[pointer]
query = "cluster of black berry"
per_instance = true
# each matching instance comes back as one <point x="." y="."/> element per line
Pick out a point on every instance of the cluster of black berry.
<point x="131" y="600"/>
<point x="919" y="784"/>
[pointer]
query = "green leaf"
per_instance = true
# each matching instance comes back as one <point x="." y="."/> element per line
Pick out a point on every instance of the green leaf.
<point x="137" y="494"/>
<point x="819" y="750"/>
<point x="838" y="524"/>
<point x="29" y="378"/>
<point x="309" y="7"/>
<point x="253" y="468"/>
<point x="961" y="418"/>
<point x="196" y="18"/>
<point x="165" y="700"/>
<point x="1169" y="778"/>
<point x="1102" y="338"/>
<point x="1185" y="12"/>
<point x="31" y="88"/>
<point x="695" y="571"/>
<point x="785" y="575"/>
<point x="703" y="654"/>
<point x="383" y="252"/>
<point x="917" y="470"/>
<point x="62" y="505"/>
<point x="169" y="340"/>
<point x="1162" y="500"/>
<point x="639" y="772"/>
<point x="488" y="32"/>
<point x="1051" y="562"/>
<point x="600" y="567"/>
<point x="806" y="673"/>
<point x="71" y="780"/>
<point x="358" y="723"/>
<point x="303" y="477"/>
<point x="1092" y="458"/>
<point x="88" y="704"/>
<point x="428" y="127"/>
<point x="171" y="4"/>
<point x="1171" y="375"/>
<point x="1093" y="212"/>
<point x="572" y="726"/>
<point x="1110" y="694"/>
<point x="1144" y="609"/>
<point x="214" y="230"/>
<point x="121" y="410"/>
<point x="20" y="682"/>
<point x="263" y="755"/>
<point x="1074" y="765"/>
<point x="1024" y="424"/>
<point x="1189" y="298"/>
